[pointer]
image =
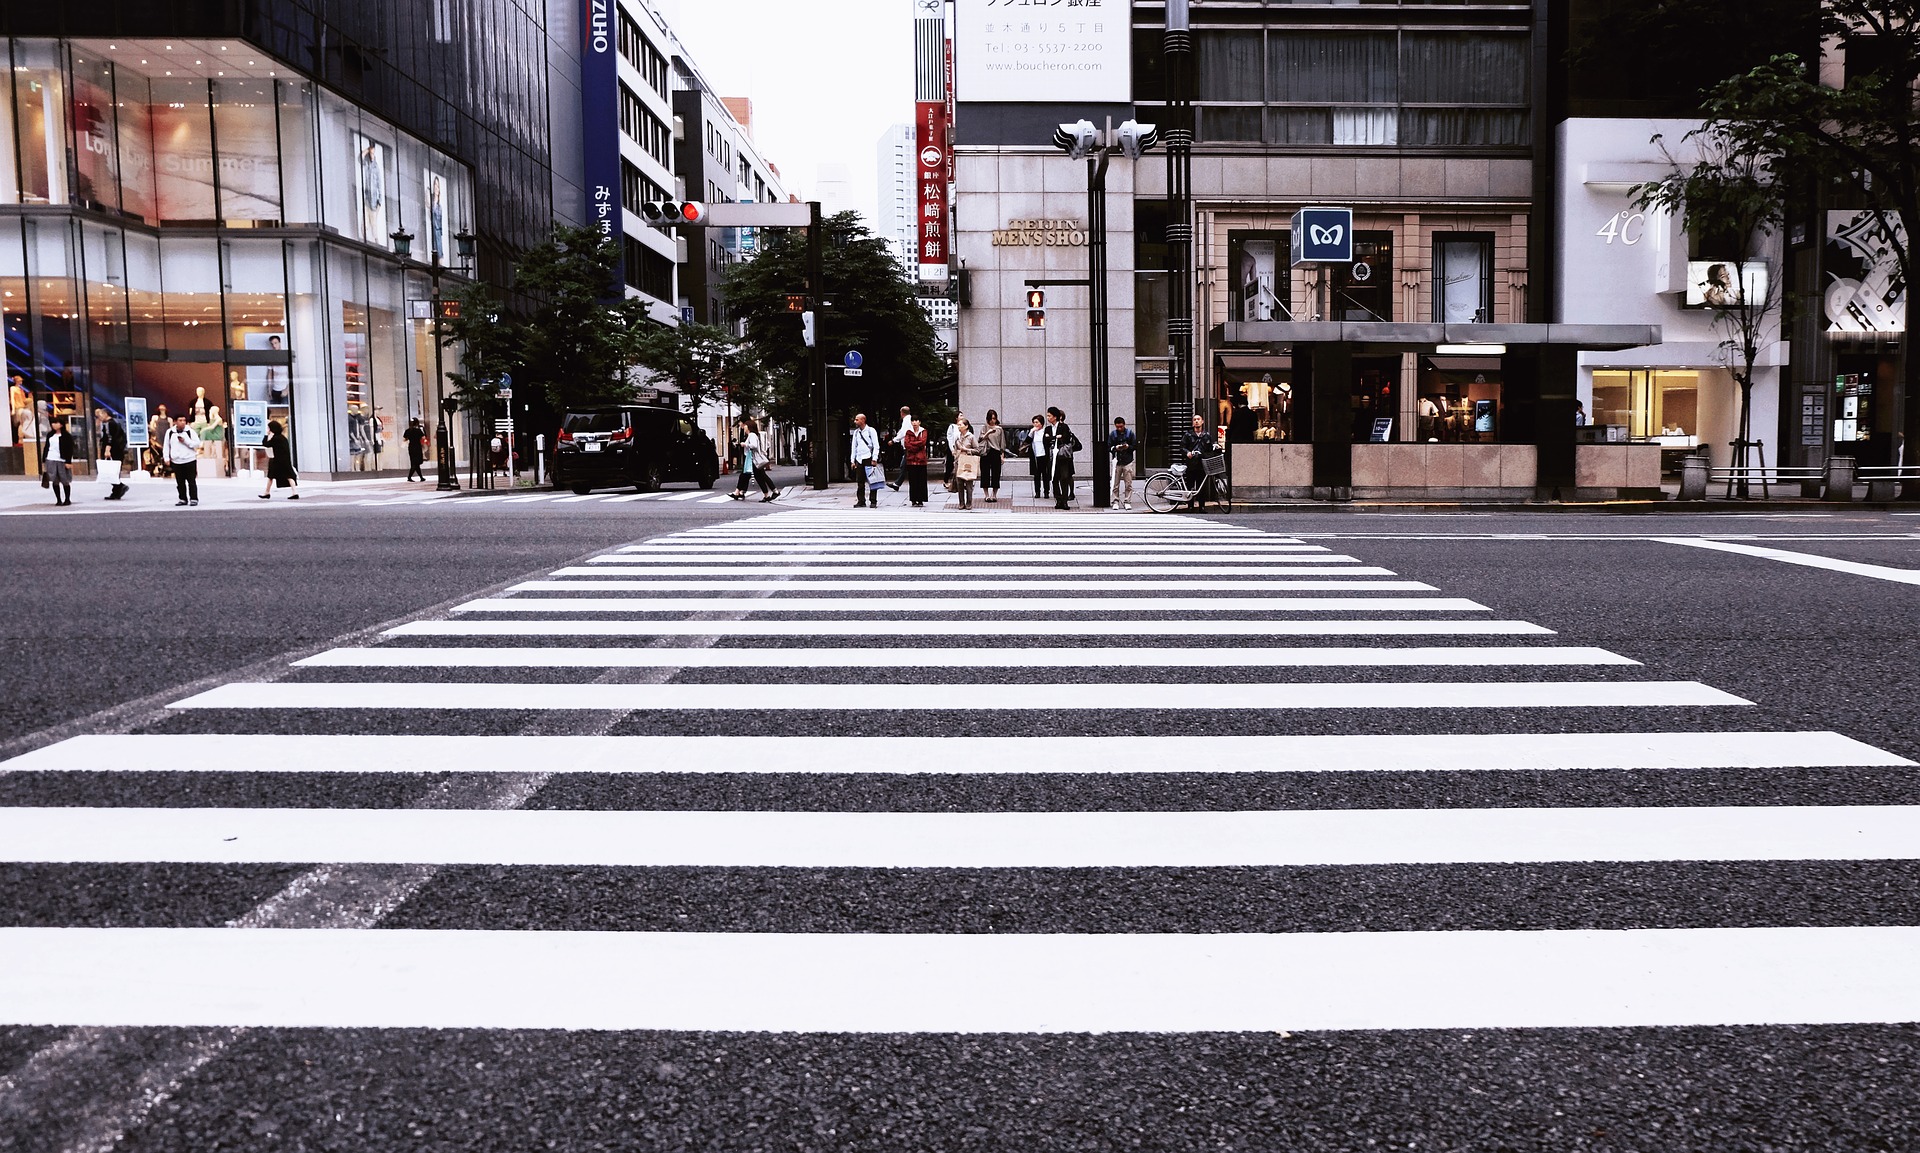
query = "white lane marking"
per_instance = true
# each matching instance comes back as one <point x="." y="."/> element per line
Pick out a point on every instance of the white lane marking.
<point x="974" y="606"/>
<point x="581" y="499"/>
<point x="957" y="697"/>
<point x="530" y="499"/>
<point x="696" y="494"/>
<point x="912" y="756"/>
<point x="926" y="628"/>
<point x="638" y="562"/>
<point x="485" y="499"/>
<point x="392" y="657"/>
<point x="850" y="565"/>
<point x="633" y="496"/>
<point x="1047" y="840"/>
<point x="670" y="547"/>
<point x="718" y="500"/>
<point x="938" y="584"/>
<point x="958" y="983"/>
<point x="1810" y="560"/>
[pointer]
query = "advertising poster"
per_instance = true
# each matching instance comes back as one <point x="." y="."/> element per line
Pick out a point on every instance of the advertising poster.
<point x="1259" y="277"/>
<point x="434" y="205"/>
<point x="1865" y="292"/>
<point x="249" y="423"/>
<point x="1043" y="53"/>
<point x="370" y="188"/>
<point x="1712" y="284"/>
<point x="136" y="422"/>
<point x="266" y="382"/>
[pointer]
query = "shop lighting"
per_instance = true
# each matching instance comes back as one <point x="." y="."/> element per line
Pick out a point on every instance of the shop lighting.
<point x="1470" y="350"/>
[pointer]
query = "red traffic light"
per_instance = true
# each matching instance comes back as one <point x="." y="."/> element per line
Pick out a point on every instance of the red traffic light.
<point x="693" y="212"/>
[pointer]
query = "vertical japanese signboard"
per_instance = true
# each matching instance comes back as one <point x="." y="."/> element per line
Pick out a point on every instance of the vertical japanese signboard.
<point x="930" y="141"/>
<point x="600" y="121"/>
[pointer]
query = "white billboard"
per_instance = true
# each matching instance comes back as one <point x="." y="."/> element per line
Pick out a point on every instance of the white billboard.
<point x="1034" y="51"/>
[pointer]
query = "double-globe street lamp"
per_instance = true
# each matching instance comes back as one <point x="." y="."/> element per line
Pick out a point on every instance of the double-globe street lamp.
<point x="1082" y="141"/>
<point x="443" y="434"/>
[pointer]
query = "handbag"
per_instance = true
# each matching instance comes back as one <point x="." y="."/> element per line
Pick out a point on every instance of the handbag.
<point x="109" y="470"/>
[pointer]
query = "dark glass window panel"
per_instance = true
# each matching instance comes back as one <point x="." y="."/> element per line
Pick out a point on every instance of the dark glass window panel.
<point x="1230" y="124"/>
<point x="1489" y="127"/>
<point x="1463" y="68"/>
<point x="1299" y="126"/>
<point x="1150" y="234"/>
<point x="1336" y="67"/>
<point x="1227" y="66"/>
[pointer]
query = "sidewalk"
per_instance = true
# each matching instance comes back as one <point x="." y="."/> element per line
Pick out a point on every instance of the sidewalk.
<point x="215" y="492"/>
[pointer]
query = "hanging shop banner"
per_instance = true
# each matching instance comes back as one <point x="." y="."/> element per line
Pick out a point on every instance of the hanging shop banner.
<point x="249" y="423"/>
<point x="1865" y="291"/>
<point x="137" y="422"/>
<point x="600" y="122"/>
<point x="930" y="144"/>
<point x="1043" y="51"/>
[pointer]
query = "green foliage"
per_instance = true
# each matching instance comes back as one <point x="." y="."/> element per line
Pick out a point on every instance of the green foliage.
<point x="704" y="361"/>
<point x="577" y="347"/>
<point x="866" y="303"/>
<point x="488" y="341"/>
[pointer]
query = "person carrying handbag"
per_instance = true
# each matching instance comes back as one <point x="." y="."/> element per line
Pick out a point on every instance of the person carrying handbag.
<point x="966" y="468"/>
<point x="993" y="454"/>
<point x="864" y="453"/>
<point x="56" y="456"/>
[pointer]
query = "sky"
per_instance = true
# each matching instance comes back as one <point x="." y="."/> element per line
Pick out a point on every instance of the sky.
<point x="826" y="77"/>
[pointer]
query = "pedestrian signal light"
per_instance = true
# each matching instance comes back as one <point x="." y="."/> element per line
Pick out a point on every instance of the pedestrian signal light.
<point x="1036" y="308"/>
<point x="806" y="329"/>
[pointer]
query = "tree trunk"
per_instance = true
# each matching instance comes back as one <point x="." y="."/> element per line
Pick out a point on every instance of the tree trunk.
<point x="1745" y="434"/>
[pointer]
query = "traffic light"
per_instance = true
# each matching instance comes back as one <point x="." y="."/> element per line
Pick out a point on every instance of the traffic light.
<point x="806" y="329"/>
<point x="1078" y="140"/>
<point x="1036" y="308"/>
<point x="668" y="213"/>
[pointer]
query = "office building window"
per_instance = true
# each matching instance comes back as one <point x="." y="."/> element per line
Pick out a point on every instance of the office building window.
<point x="647" y="270"/>
<point x="636" y="188"/>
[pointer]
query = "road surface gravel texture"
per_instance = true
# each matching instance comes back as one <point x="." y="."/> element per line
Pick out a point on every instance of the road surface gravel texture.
<point x="1432" y="974"/>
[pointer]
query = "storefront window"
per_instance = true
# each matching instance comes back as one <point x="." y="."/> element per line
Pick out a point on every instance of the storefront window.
<point x="244" y="125"/>
<point x="1462" y="278"/>
<point x="1260" y="404"/>
<point x="1459" y="400"/>
<point x="256" y="314"/>
<point x="133" y="95"/>
<point x="103" y="264"/>
<point x="40" y="103"/>
<point x="183" y="152"/>
<point x="95" y="159"/>
<point x="1364" y="289"/>
<point x="1663" y="407"/>
<point x="9" y="171"/>
<point x="1261" y="287"/>
<point x="16" y="431"/>
<point x="299" y="163"/>
<point x="1376" y="399"/>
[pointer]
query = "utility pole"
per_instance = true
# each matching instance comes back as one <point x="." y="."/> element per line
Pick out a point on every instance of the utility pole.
<point x="1177" y="47"/>
<point x="819" y="466"/>
<point x="1097" y="318"/>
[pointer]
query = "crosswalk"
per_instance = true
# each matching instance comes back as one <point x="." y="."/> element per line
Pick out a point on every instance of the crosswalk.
<point x="1141" y="696"/>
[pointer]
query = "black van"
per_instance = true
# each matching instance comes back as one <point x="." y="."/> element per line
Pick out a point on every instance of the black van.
<point x="631" y="444"/>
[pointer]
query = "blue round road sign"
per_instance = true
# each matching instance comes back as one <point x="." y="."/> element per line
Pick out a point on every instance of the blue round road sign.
<point x="851" y="360"/>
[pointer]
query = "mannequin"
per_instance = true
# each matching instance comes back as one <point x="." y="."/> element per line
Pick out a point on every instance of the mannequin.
<point x="198" y="414"/>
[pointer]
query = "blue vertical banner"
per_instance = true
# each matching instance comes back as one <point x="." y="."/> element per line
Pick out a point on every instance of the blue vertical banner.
<point x="600" y="123"/>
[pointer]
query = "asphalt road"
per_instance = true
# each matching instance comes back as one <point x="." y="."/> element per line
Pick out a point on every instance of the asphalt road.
<point x="115" y="620"/>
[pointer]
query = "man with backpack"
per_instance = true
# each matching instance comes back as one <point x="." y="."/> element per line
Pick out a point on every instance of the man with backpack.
<point x="1121" y="446"/>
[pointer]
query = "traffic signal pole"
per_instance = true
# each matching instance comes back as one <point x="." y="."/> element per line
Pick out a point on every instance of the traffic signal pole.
<point x="820" y="414"/>
<point x="1101" y="358"/>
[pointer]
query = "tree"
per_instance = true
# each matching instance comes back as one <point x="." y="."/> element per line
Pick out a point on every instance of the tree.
<point x="489" y="342"/>
<point x="1862" y="139"/>
<point x="706" y="362"/>
<point x="866" y="303"/>
<point x="576" y="348"/>
<point x="1736" y="197"/>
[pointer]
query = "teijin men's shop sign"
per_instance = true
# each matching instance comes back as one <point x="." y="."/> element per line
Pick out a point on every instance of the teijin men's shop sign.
<point x="1040" y="234"/>
<point x="1043" y="51"/>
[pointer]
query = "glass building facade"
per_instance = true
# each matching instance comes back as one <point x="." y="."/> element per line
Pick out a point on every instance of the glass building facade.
<point x="191" y="223"/>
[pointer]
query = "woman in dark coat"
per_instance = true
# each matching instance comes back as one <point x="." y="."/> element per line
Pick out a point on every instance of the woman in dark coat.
<point x="915" y="446"/>
<point x="280" y="462"/>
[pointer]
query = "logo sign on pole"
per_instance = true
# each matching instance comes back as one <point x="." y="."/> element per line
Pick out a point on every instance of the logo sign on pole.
<point x="136" y="422"/>
<point x="1323" y="236"/>
<point x="249" y="423"/>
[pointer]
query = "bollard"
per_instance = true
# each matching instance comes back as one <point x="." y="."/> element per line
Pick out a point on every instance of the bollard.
<point x="1840" y="479"/>
<point x="1693" y="478"/>
<point x="539" y="458"/>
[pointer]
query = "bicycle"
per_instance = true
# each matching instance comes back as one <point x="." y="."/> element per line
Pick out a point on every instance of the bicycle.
<point x="1167" y="489"/>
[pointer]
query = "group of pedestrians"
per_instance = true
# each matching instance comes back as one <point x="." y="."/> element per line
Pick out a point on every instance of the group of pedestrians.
<point x="976" y="458"/>
<point x="754" y="460"/>
<point x="179" y="450"/>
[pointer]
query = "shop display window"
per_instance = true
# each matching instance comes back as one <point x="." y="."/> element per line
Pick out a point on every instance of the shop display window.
<point x="1260" y="265"/>
<point x="133" y="119"/>
<point x="95" y="159"/>
<point x="1459" y="401"/>
<point x="1462" y="278"/>
<point x="1652" y="406"/>
<point x="9" y="169"/>
<point x="1259" y="404"/>
<point x="40" y="105"/>
<point x="1364" y="290"/>
<point x="244" y="124"/>
<point x="1376" y="398"/>
<point x="183" y="152"/>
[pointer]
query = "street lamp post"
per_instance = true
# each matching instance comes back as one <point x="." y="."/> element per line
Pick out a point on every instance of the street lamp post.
<point x="443" y="433"/>
<point x="1081" y="140"/>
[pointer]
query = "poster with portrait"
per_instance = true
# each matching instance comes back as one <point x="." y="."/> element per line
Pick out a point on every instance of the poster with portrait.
<point x="434" y="210"/>
<point x="1865" y="291"/>
<point x="1260" y="288"/>
<point x="370" y="188"/>
<point x="267" y="382"/>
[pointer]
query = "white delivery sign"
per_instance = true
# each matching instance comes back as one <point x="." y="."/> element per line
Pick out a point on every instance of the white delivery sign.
<point x="1043" y="51"/>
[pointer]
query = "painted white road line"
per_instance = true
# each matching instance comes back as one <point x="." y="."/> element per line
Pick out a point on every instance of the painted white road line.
<point x="640" y="562"/>
<point x="913" y="756"/>
<point x="974" y="656"/>
<point x="633" y="496"/>
<point x="973" y="606"/>
<point x="1810" y="560"/>
<point x="958" y="983"/>
<point x="583" y="498"/>
<point x="925" y="628"/>
<point x="1255" y="696"/>
<point x="1044" y="840"/>
<point x="847" y="565"/>
<point x="695" y="494"/>
<point x="941" y="584"/>
<point x="669" y="547"/>
<point x="545" y="496"/>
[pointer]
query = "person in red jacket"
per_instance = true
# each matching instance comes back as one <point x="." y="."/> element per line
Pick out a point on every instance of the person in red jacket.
<point x="915" y="444"/>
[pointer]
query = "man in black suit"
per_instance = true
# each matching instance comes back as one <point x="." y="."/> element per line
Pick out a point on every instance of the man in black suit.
<point x="1061" y="445"/>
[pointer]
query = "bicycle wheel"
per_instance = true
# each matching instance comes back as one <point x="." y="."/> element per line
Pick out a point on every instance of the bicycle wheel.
<point x="1162" y="494"/>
